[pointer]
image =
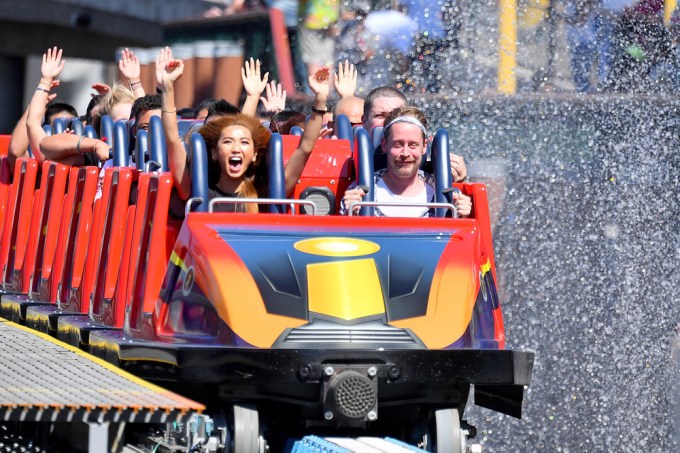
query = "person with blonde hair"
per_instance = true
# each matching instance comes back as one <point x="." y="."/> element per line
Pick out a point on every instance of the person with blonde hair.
<point x="117" y="103"/>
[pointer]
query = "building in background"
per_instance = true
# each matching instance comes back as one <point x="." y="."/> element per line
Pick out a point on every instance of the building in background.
<point x="89" y="31"/>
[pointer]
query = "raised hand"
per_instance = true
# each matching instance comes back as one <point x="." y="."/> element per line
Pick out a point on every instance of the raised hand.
<point x="252" y="82"/>
<point x="51" y="67"/>
<point x="129" y="66"/>
<point x="162" y="59"/>
<point x="52" y="64"/>
<point x="101" y="88"/>
<point x="318" y="82"/>
<point x="275" y="100"/>
<point x="345" y="80"/>
<point x="168" y="69"/>
<point x="173" y="71"/>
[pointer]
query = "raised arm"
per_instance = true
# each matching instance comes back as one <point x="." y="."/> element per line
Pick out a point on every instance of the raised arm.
<point x="51" y="67"/>
<point x="253" y="84"/>
<point x="168" y="70"/>
<point x="18" y="143"/>
<point x="131" y="70"/>
<point x="319" y="83"/>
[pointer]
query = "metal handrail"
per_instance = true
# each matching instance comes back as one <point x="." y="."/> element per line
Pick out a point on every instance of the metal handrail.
<point x="190" y="203"/>
<point x="449" y="206"/>
<point x="153" y="167"/>
<point x="267" y="201"/>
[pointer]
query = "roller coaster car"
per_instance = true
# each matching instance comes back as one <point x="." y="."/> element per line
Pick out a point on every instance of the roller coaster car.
<point x="370" y="323"/>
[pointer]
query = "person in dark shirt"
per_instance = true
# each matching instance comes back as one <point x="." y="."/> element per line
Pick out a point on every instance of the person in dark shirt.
<point x="236" y="143"/>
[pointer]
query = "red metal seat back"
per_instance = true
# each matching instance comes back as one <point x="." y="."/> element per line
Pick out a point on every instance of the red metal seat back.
<point x="113" y="314"/>
<point x="329" y="165"/>
<point x="480" y="212"/>
<point x="5" y="186"/>
<point x="42" y="242"/>
<point x="69" y="254"/>
<point x="17" y="217"/>
<point x="110" y="234"/>
<point x="150" y="252"/>
<point x="105" y="237"/>
<point x="4" y="144"/>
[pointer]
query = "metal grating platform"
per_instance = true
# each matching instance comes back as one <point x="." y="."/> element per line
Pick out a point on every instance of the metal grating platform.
<point x="42" y="379"/>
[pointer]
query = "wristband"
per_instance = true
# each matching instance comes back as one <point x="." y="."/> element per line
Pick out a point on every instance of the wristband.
<point x="319" y="111"/>
<point x="135" y="83"/>
<point x="78" y="144"/>
<point x="42" y="89"/>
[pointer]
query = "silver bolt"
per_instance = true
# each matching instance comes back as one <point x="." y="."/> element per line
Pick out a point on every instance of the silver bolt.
<point x="328" y="415"/>
<point x="372" y="416"/>
<point x="372" y="371"/>
<point x="328" y="371"/>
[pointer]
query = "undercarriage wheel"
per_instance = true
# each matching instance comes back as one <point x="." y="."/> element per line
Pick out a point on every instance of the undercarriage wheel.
<point x="247" y="438"/>
<point x="450" y="438"/>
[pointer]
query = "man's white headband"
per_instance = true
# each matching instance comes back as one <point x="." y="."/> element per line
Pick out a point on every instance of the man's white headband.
<point x="405" y="119"/>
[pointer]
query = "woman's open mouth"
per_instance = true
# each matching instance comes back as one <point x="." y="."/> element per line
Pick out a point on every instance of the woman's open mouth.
<point x="235" y="163"/>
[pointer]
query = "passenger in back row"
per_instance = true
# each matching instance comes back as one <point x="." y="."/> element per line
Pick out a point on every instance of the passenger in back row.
<point x="237" y="144"/>
<point x="380" y="102"/>
<point x="143" y="109"/>
<point x="405" y="143"/>
<point x="70" y="149"/>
